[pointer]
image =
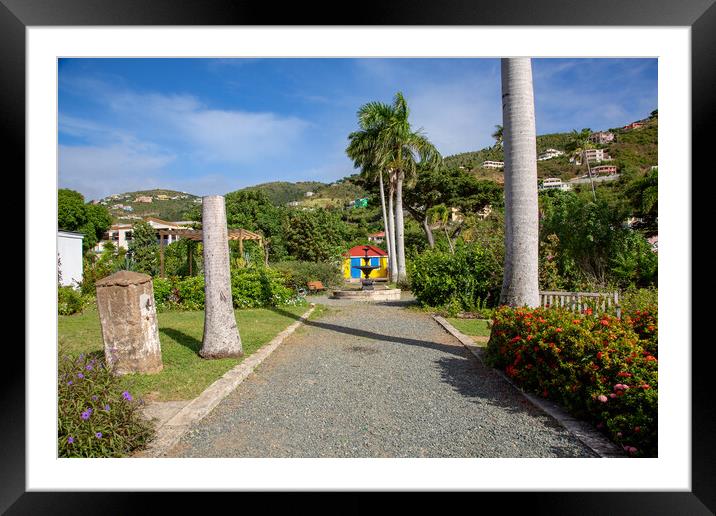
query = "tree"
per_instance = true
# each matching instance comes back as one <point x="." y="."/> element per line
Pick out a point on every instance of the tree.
<point x="253" y="210"/>
<point x="498" y="136"/>
<point x="74" y="215"/>
<point x="221" y="336"/>
<point x="398" y="149"/>
<point x="644" y="196"/>
<point x="365" y="151"/>
<point x="315" y="236"/>
<point x="578" y="145"/>
<point x="144" y="249"/>
<point x="520" y="284"/>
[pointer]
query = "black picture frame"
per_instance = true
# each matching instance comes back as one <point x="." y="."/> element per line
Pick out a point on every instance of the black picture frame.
<point x="699" y="15"/>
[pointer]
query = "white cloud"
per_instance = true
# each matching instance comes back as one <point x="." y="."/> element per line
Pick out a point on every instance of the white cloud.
<point x="97" y="171"/>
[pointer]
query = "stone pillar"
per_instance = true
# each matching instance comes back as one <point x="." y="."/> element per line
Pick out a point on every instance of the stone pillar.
<point x="125" y="301"/>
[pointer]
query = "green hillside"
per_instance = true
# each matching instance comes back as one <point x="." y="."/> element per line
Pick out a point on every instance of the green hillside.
<point x="283" y="192"/>
<point x="633" y="151"/>
<point x="163" y="204"/>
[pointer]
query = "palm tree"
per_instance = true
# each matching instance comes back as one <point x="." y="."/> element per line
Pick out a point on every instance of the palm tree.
<point x="363" y="149"/>
<point x="221" y="336"/>
<point x="498" y="136"/>
<point x="520" y="284"/>
<point x="578" y="145"/>
<point x="396" y="148"/>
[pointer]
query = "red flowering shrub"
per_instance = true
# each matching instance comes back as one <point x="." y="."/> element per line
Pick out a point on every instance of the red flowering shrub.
<point x="598" y="367"/>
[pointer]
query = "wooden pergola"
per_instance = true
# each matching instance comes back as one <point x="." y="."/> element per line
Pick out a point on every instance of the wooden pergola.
<point x="198" y="235"/>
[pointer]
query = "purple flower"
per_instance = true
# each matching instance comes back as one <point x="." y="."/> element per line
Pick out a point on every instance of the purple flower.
<point x="94" y="398"/>
<point x="69" y="383"/>
<point x="86" y="414"/>
<point x="70" y="440"/>
<point x="80" y="375"/>
<point x="88" y="367"/>
<point x="98" y="435"/>
<point x="127" y="396"/>
<point x="106" y="407"/>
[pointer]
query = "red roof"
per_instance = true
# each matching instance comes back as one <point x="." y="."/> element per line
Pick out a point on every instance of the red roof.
<point x="373" y="251"/>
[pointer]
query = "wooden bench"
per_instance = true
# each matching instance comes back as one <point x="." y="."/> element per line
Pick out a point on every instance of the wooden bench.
<point x="315" y="286"/>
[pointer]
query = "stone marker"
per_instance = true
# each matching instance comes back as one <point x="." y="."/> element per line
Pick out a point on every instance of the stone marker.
<point x="125" y="301"/>
<point x="221" y="336"/>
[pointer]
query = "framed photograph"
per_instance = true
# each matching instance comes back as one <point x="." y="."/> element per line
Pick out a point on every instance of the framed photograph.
<point x="675" y="43"/>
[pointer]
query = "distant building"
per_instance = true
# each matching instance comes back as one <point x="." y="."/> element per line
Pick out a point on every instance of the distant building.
<point x="455" y="215"/>
<point x="143" y="198"/>
<point x="553" y="183"/>
<point x="654" y="242"/>
<point x="377" y="238"/>
<point x="493" y="164"/>
<point x="633" y="125"/>
<point x="549" y="154"/>
<point x="69" y="257"/>
<point x="601" y="137"/>
<point x="597" y="155"/>
<point x="121" y="234"/>
<point x="309" y="194"/>
<point x="163" y="197"/>
<point x="604" y="170"/>
<point x="294" y="203"/>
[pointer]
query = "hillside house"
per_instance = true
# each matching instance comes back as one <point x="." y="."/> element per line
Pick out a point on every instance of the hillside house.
<point x="143" y="198"/>
<point x="601" y="137"/>
<point x="633" y="125"/>
<point x="604" y="170"/>
<point x="552" y="183"/>
<point x="493" y="164"/>
<point x="69" y="257"/>
<point x="597" y="155"/>
<point x="549" y="154"/>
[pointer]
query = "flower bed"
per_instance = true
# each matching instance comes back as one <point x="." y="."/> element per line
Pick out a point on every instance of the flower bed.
<point x="600" y="368"/>
<point x="96" y="416"/>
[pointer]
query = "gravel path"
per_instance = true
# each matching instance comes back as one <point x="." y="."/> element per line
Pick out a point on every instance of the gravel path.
<point x="369" y="380"/>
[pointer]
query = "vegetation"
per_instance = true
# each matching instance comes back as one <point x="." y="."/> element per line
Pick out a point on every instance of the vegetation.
<point x="165" y="205"/>
<point x="297" y="274"/>
<point x="69" y="301"/>
<point x="144" y="249"/>
<point x="472" y="327"/>
<point x="96" y="415"/>
<point x="185" y="374"/>
<point x="467" y="280"/>
<point x="74" y="215"/>
<point x="598" y="367"/>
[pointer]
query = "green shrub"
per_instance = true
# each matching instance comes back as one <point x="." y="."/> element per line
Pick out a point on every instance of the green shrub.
<point x="251" y="287"/>
<point x="69" y="301"/>
<point x="599" y="368"/>
<point x="299" y="273"/>
<point x="254" y="287"/>
<point x="470" y="278"/>
<point x="96" y="417"/>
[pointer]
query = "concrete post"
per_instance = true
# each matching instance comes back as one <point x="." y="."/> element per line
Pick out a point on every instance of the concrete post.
<point x="125" y="301"/>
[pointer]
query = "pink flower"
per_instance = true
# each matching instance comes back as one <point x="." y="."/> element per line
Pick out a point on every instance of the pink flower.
<point x="602" y="398"/>
<point x="612" y="395"/>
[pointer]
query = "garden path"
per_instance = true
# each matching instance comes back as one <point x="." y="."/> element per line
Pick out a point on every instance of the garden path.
<point x="376" y="380"/>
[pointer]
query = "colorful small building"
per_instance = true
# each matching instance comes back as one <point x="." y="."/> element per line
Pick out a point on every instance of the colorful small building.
<point x="354" y="257"/>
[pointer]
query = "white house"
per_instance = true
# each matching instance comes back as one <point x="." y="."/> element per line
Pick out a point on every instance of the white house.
<point x="549" y="154"/>
<point x="121" y="234"/>
<point x="69" y="257"/>
<point x="493" y="164"/>
<point x="553" y="183"/>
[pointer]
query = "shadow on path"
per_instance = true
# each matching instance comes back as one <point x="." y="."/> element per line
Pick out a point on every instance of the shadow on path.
<point x="446" y="348"/>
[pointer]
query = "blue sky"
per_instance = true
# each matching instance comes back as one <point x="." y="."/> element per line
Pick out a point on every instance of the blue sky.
<point x="211" y="126"/>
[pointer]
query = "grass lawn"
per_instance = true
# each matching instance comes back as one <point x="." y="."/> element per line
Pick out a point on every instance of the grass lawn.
<point x="473" y="327"/>
<point x="185" y="373"/>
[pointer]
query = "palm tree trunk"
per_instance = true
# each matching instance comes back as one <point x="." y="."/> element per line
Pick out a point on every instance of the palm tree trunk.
<point x="391" y="243"/>
<point x="382" y="205"/>
<point x="447" y="235"/>
<point x="520" y="285"/>
<point x="400" y="229"/>
<point x="589" y="173"/>
<point x="221" y="336"/>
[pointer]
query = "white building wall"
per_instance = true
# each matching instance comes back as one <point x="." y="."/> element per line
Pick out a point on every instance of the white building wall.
<point x="69" y="250"/>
